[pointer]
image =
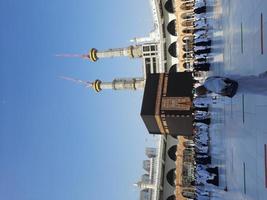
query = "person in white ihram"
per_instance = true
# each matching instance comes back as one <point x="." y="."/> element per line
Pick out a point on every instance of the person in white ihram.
<point x="200" y="3"/>
<point x="201" y="115"/>
<point x="202" y="177"/>
<point x="201" y="149"/>
<point x="202" y="138"/>
<point x="201" y="127"/>
<point x="234" y="84"/>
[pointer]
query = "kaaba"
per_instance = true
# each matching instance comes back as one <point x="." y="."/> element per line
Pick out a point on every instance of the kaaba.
<point x="167" y="103"/>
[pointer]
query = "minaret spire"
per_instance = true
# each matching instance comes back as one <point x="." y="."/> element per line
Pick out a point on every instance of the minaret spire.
<point x="73" y="56"/>
<point x="87" y="84"/>
<point x="131" y="51"/>
<point x="116" y="84"/>
<point x="94" y="54"/>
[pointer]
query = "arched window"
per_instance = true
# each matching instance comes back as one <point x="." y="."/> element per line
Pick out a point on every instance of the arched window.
<point x="186" y="65"/>
<point x="187" y="6"/>
<point x="172" y="28"/>
<point x="188" y="55"/>
<point x="172" y="152"/>
<point x="169" y="6"/>
<point x="188" y="39"/>
<point x="188" y="193"/>
<point x="188" y="23"/>
<point x="172" y="50"/>
<point x="187" y="15"/>
<point x="171" y="176"/>
<point x="188" y="31"/>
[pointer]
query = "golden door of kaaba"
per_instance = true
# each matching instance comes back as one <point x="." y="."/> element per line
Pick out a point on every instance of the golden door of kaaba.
<point x="176" y="103"/>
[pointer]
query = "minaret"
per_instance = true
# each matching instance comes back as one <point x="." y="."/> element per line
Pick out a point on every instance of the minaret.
<point x="142" y="185"/>
<point x="131" y="51"/>
<point x="94" y="54"/>
<point x="116" y="84"/>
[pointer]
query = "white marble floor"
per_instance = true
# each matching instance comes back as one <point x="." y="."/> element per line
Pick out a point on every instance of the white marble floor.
<point x="239" y="129"/>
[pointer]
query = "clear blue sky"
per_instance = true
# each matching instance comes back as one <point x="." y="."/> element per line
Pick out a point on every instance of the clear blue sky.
<point x="57" y="139"/>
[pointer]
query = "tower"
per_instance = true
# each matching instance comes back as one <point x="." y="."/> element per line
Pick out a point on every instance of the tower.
<point x="131" y="51"/>
<point x="116" y="84"/>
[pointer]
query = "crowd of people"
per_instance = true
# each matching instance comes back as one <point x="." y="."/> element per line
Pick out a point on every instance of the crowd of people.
<point x="196" y="57"/>
<point x="197" y="39"/>
<point x="206" y="174"/>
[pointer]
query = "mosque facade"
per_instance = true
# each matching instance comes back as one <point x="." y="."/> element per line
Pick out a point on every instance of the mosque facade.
<point x="171" y="112"/>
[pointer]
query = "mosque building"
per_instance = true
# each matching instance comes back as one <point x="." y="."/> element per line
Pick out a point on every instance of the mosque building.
<point x="167" y="102"/>
<point x="169" y="170"/>
<point x="169" y="90"/>
<point x="201" y="40"/>
<point x="158" y="181"/>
